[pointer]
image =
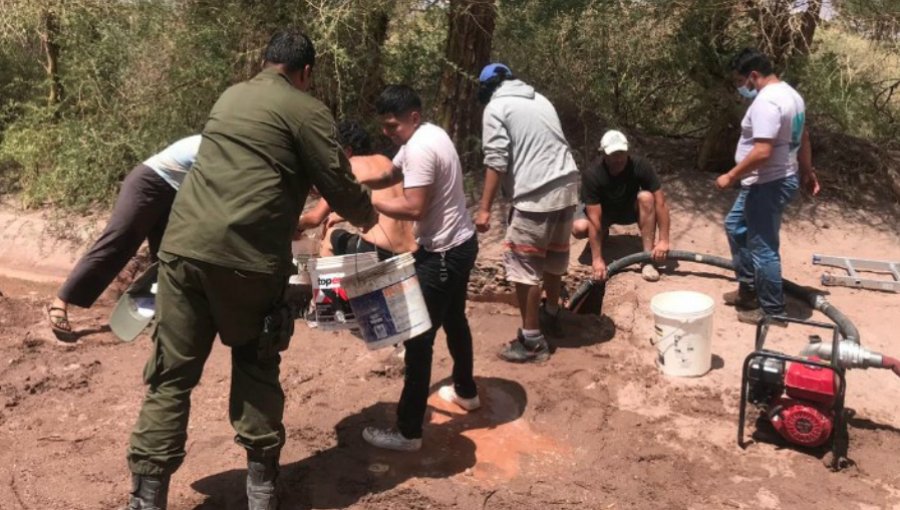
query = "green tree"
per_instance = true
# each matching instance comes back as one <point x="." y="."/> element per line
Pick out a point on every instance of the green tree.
<point x="468" y="49"/>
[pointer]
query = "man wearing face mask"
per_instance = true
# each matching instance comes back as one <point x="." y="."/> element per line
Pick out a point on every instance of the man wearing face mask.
<point x="620" y="188"/>
<point x="224" y="265"/>
<point x="774" y="160"/>
<point x="526" y="152"/>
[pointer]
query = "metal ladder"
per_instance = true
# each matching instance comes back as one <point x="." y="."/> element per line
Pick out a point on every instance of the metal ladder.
<point x="853" y="278"/>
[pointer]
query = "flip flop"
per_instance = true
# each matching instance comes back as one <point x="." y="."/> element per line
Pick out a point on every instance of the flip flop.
<point x="60" y="325"/>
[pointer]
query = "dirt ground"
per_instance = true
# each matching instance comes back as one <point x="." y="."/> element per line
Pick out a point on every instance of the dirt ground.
<point x="596" y="427"/>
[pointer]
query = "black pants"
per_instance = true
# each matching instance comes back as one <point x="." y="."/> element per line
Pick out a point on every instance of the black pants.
<point x="141" y="212"/>
<point x="345" y="243"/>
<point x="446" y="302"/>
<point x="196" y="301"/>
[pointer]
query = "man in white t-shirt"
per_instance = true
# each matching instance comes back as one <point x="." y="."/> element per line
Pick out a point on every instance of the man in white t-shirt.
<point x="434" y="199"/>
<point x="773" y="160"/>
<point x="141" y="212"/>
<point x="526" y="152"/>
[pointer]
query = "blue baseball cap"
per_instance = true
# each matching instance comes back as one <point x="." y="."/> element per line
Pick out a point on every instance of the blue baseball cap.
<point x="492" y="70"/>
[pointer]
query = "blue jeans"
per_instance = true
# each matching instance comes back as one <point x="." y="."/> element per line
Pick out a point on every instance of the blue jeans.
<point x="753" y="226"/>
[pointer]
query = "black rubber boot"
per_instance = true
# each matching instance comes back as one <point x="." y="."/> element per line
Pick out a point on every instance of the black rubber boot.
<point x="148" y="492"/>
<point x="261" y="477"/>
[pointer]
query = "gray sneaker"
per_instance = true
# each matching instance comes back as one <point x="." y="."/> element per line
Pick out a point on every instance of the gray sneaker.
<point x="390" y="440"/>
<point x="522" y="350"/>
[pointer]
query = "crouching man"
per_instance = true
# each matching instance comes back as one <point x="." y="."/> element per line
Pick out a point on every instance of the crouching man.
<point x="620" y="188"/>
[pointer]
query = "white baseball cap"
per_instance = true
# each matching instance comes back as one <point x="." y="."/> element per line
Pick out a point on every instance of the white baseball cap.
<point x="613" y="141"/>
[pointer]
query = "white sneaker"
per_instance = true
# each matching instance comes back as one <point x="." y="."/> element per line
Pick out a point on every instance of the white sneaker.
<point x="650" y="273"/>
<point x="390" y="440"/>
<point x="448" y="393"/>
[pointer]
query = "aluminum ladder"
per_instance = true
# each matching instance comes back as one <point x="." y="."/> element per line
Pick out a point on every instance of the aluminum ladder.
<point x="853" y="279"/>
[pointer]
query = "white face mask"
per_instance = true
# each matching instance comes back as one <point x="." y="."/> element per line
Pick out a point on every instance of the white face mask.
<point x="745" y="91"/>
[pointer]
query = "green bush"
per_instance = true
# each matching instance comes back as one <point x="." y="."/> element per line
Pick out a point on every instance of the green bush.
<point x="64" y="163"/>
<point x="414" y="53"/>
<point x="846" y="83"/>
<point x="138" y="75"/>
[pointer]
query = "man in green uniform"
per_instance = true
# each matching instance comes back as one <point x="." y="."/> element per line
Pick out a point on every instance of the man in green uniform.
<point x="225" y="261"/>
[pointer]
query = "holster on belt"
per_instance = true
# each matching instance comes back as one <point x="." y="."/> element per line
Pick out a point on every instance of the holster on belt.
<point x="278" y="327"/>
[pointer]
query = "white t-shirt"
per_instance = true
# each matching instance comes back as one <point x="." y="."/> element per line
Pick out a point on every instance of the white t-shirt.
<point x="778" y="113"/>
<point x="430" y="159"/>
<point x="175" y="161"/>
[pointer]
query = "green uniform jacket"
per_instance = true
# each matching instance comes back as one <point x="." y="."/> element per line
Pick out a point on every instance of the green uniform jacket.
<point x="264" y="145"/>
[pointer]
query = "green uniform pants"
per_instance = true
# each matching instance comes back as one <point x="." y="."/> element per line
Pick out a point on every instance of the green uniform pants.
<point x="196" y="301"/>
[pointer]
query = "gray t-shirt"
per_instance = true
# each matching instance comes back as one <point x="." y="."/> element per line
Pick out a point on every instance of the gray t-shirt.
<point x="778" y="113"/>
<point x="429" y="158"/>
<point x="175" y="161"/>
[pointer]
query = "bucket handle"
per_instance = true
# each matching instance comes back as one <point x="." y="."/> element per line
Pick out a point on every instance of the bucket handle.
<point x="670" y="335"/>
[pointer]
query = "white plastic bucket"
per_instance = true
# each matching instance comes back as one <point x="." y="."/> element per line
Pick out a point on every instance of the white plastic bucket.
<point x="332" y="308"/>
<point x="683" y="332"/>
<point x="388" y="302"/>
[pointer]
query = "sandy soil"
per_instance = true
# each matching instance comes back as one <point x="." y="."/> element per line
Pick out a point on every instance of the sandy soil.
<point x="596" y="427"/>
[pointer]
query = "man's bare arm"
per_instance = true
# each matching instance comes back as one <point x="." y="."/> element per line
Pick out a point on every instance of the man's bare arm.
<point x="410" y="206"/>
<point x="661" y="248"/>
<point x="594" y="213"/>
<point x="378" y="178"/>
<point x="759" y="154"/>
<point x="492" y="180"/>
<point x="808" y="177"/>
<point x="315" y="216"/>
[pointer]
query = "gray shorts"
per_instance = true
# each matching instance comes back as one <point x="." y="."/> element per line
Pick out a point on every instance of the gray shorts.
<point x="537" y="243"/>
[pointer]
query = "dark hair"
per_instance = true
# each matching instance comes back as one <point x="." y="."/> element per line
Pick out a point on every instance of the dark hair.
<point x="397" y="100"/>
<point x="486" y="88"/>
<point x="749" y="60"/>
<point x="350" y="133"/>
<point x="291" y="48"/>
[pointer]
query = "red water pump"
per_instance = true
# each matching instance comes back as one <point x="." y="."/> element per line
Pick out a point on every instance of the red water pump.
<point x="802" y="397"/>
<point x="797" y="398"/>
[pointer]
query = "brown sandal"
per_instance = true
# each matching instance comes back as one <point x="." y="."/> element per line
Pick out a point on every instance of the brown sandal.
<point x="60" y="325"/>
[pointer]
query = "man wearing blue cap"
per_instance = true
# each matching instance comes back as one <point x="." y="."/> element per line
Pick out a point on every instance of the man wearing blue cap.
<point x="526" y="152"/>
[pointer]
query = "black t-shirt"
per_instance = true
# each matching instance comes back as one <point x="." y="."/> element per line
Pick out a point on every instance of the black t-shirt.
<point x="617" y="194"/>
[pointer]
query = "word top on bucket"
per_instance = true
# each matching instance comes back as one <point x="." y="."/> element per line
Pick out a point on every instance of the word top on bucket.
<point x="330" y="301"/>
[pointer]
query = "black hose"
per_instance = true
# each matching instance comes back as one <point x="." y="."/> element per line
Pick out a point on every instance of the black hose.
<point x="812" y="297"/>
